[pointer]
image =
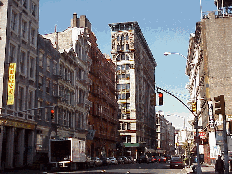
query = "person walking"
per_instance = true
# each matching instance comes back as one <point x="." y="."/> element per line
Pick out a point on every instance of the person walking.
<point x="219" y="166"/>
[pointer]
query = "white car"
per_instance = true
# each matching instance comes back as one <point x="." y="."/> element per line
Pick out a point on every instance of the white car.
<point x="113" y="160"/>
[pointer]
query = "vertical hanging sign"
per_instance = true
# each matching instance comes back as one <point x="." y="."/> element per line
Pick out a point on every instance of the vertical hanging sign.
<point x="11" y="84"/>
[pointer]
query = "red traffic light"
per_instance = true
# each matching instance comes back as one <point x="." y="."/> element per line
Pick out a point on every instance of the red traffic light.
<point x="52" y="111"/>
<point x="160" y="94"/>
<point x="160" y="98"/>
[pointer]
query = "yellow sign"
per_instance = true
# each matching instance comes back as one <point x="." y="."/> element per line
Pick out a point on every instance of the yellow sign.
<point x="11" y="84"/>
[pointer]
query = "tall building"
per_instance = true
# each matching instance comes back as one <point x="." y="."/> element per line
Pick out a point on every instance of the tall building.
<point x="73" y="106"/>
<point x="46" y="95"/>
<point x="209" y="71"/>
<point x="135" y="78"/>
<point x="95" y="117"/>
<point x="19" y="22"/>
<point x="103" y="113"/>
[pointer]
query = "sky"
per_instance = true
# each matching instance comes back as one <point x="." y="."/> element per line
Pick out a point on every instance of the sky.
<point x="166" y="26"/>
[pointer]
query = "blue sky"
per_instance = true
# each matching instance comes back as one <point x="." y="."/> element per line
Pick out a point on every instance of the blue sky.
<point x="166" y="26"/>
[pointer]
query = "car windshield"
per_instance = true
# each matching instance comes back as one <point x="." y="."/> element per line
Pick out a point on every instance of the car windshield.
<point x="176" y="159"/>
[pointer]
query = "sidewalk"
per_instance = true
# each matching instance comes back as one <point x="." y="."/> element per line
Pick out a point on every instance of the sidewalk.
<point x="205" y="168"/>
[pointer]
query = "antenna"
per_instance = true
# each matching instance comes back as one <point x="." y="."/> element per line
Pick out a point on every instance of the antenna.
<point x="200" y="9"/>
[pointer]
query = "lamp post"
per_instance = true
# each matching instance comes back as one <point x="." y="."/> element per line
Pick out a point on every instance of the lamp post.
<point x="196" y="117"/>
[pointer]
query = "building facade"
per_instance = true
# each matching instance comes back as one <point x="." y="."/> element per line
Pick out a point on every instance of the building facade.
<point x="135" y="78"/>
<point x="103" y="114"/>
<point x="19" y="22"/>
<point x="208" y="68"/>
<point x="94" y="86"/>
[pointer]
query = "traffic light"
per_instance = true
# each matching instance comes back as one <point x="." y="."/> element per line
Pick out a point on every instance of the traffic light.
<point x="52" y="114"/>
<point x="153" y="99"/>
<point x="194" y="107"/>
<point x="160" y="98"/>
<point x="219" y="105"/>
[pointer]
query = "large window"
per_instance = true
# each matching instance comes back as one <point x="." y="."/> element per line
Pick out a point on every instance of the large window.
<point x="32" y="68"/>
<point x="12" y="53"/>
<point x="14" y="19"/>
<point x="22" y="62"/>
<point x="24" y="29"/>
<point x="20" y="100"/>
<point x="41" y="59"/>
<point x="33" y="8"/>
<point x="33" y="36"/>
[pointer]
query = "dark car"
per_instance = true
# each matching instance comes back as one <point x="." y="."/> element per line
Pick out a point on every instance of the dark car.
<point x="162" y="159"/>
<point x="143" y="159"/>
<point x="176" y="162"/>
<point x="104" y="161"/>
<point x="120" y="160"/>
<point x="131" y="159"/>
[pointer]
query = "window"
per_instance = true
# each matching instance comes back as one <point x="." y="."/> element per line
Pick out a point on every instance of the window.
<point x="123" y="55"/>
<point x="41" y="59"/>
<point x="47" y="85"/>
<point x="24" y="29"/>
<point x="54" y="67"/>
<point x="54" y="88"/>
<point x="33" y="33"/>
<point x="127" y="57"/>
<point x="127" y="37"/>
<point x="14" y="21"/>
<point x="33" y="9"/>
<point x="30" y="101"/>
<point x="24" y="3"/>
<point x="127" y="46"/>
<point x="40" y="82"/>
<point x="31" y="68"/>
<point x="12" y="53"/>
<point x="20" y="100"/>
<point x="48" y="64"/>
<point x="22" y="62"/>
<point x="39" y="111"/>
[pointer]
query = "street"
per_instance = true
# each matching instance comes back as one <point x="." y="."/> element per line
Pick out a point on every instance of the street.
<point x="156" y="168"/>
<point x="151" y="168"/>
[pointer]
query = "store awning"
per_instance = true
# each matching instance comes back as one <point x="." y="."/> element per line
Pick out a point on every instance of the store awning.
<point x="131" y="144"/>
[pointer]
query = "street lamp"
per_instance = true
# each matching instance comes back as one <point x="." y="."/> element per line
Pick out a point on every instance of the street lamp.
<point x="169" y="53"/>
<point x="196" y="116"/>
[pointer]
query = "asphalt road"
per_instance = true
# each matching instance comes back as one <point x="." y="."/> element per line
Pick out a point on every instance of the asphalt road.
<point x="151" y="168"/>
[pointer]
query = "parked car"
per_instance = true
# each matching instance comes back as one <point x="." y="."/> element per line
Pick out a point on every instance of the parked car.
<point x="104" y="161"/>
<point x="156" y="159"/>
<point x="176" y="162"/>
<point x="120" y="160"/>
<point x="126" y="160"/>
<point x="113" y="160"/>
<point x="108" y="161"/>
<point x="91" y="161"/>
<point x="143" y="159"/>
<point x="131" y="159"/>
<point x="97" y="161"/>
<point x="162" y="159"/>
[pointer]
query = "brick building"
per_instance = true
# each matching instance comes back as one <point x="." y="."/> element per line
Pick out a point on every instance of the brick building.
<point x="209" y="71"/>
<point x="135" y="80"/>
<point x="19" y="22"/>
<point x="103" y="113"/>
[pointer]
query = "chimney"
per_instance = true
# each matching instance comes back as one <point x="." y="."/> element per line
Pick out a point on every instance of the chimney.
<point x="74" y="20"/>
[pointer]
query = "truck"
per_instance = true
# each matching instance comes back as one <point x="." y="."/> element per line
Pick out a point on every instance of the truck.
<point x="67" y="153"/>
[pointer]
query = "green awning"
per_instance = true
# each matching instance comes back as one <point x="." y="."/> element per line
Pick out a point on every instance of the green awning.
<point x="131" y="144"/>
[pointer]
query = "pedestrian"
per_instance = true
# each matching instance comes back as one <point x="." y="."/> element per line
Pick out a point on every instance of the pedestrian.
<point x="219" y="166"/>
